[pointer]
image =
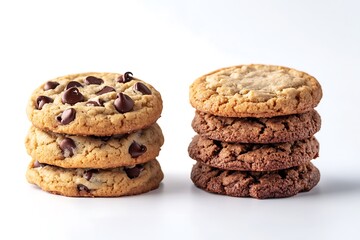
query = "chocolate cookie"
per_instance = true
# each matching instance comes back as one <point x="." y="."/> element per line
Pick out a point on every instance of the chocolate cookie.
<point x="100" y="104"/>
<point x="253" y="157"/>
<point x="70" y="151"/>
<point x="80" y="182"/>
<point x="257" y="130"/>
<point x="276" y="184"/>
<point x="255" y="91"/>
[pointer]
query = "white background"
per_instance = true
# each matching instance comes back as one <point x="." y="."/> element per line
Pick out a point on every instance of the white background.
<point x="169" y="44"/>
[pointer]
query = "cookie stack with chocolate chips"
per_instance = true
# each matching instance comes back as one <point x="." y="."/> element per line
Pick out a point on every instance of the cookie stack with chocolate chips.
<point x="255" y="126"/>
<point x="95" y="135"/>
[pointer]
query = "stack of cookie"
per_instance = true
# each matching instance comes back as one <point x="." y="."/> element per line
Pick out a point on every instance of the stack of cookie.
<point x="256" y="125"/>
<point x="95" y="135"/>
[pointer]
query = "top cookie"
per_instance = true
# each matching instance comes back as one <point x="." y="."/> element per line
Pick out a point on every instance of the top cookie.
<point x="100" y="104"/>
<point x="255" y="91"/>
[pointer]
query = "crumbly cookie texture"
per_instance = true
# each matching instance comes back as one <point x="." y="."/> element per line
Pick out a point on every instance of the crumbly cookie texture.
<point x="70" y="151"/>
<point x="92" y="103"/>
<point x="253" y="157"/>
<point x="82" y="182"/>
<point x="276" y="184"/>
<point x="257" y="130"/>
<point x="255" y="91"/>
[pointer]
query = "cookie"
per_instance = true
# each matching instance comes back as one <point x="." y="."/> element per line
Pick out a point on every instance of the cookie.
<point x="255" y="91"/>
<point x="100" y="104"/>
<point x="276" y="184"/>
<point x="70" y="151"/>
<point x="257" y="130"/>
<point x="80" y="182"/>
<point x="253" y="157"/>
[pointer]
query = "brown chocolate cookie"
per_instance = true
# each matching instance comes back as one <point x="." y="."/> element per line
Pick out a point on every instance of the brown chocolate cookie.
<point x="257" y="130"/>
<point x="276" y="184"/>
<point x="253" y="157"/>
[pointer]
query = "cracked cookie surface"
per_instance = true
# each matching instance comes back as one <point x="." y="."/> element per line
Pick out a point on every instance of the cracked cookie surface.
<point x="93" y="103"/>
<point x="276" y="184"/>
<point x="70" y="151"/>
<point x="257" y="130"/>
<point x="82" y="182"/>
<point x="253" y="157"/>
<point x="255" y="91"/>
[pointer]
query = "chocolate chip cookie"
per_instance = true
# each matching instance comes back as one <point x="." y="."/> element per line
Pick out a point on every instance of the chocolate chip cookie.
<point x="93" y="103"/>
<point x="253" y="157"/>
<point x="275" y="184"/>
<point x="71" y="151"/>
<point x="257" y="130"/>
<point x="82" y="182"/>
<point x="255" y="91"/>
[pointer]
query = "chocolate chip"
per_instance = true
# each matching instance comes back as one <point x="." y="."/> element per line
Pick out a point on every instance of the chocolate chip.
<point x="136" y="149"/>
<point x="67" y="146"/>
<point x="41" y="101"/>
<point x="82" y="187"/>
<point x="93" y="80"/>
<point x="95" y="103"/>
<point x="38" y="164"/>
<point x="123" y="103"/>
<point x="88" y="173"/>
<point x="73" y="84"/>
<point x="72" y="96"/>
<point x="106" y="89"/>
<point x="142" y="88"/>
<point x="50" y="85"/>
<point x="133" y="172"/>
<point x="127" y="77"/>
<point x="67" y="116"/>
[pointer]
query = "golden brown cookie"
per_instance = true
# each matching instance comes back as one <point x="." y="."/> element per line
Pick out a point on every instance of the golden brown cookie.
<point x="255" y="91"/>
<point x="80" y="182"/>
<point x="93" y="103"/>
<point x="71" y="151"/>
